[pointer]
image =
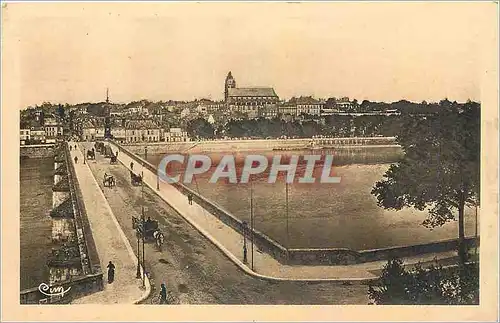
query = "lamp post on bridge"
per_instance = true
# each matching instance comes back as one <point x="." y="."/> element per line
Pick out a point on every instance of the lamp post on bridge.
<point x="245" y="228"/>
<point x="138" y="272"/>
<point x="143" y="231"/>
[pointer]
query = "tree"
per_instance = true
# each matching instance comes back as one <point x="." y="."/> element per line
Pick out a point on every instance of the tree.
<point x="200" y="128"/>
<point x="433" y="285"/>
<point x="440" y="169"/>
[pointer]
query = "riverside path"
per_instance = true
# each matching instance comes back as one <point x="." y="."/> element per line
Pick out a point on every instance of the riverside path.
<point x="110" y="243"/>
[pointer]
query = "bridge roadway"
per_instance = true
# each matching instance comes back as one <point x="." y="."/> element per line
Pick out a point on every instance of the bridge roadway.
<point x="194" y="269"/>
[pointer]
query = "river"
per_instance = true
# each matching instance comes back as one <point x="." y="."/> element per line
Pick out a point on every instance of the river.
<point x="36" y="179"/>
<point x="340" y="215"/>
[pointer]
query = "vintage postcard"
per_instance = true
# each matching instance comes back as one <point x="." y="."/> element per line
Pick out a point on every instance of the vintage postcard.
<point x="298" y="161"/>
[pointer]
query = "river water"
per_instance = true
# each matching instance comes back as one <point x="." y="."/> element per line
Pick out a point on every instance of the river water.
<point x="35" y="223"/>
<point x="339" y="215"/>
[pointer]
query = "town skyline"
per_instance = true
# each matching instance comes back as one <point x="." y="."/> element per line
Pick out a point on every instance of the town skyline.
<point x="183" y="51"/>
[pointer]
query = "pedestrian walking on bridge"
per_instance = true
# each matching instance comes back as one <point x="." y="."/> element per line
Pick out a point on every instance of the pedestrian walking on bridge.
<point x="76" y="160"/>
<point x="190" y="199"/>
<point x="163" y="294"/>
<point x="111" y="272"/>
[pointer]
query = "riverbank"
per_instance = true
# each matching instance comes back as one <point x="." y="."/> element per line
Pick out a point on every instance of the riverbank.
<point x="235" y="146"/>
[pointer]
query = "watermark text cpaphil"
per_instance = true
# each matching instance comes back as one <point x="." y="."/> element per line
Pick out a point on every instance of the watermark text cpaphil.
<point x="227" y="168"/>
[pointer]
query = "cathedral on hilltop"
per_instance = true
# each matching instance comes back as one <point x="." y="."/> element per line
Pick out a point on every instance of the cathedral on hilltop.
<point x="248" y="99"/>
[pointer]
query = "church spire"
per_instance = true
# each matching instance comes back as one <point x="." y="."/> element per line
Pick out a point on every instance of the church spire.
<point x="107" y="95"/>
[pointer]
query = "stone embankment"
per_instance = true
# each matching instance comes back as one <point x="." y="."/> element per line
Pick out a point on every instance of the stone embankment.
<point x="213" y="146"/>
<point x="37" y="151"/>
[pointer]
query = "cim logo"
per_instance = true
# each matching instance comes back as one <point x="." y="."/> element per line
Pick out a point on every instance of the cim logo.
<point x="52" y="291"/>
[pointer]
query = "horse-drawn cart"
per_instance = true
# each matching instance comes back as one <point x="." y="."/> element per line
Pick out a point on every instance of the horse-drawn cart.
<point x="108" y="181"/>
<point x="90" y="154"/>
<point x="135" y="179"/>
<point x="148" y="230"/>
<point x="99" y="146"/>
<point x="108" y="152"/>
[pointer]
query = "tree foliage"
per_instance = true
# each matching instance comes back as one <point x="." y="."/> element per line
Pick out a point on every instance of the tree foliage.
<point x="433" y="285"/>
<point x="440" y="169"/>
<point x="200" y="128"/>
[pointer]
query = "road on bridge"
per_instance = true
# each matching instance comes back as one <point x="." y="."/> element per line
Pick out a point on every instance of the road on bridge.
<point x="192" y="267"/>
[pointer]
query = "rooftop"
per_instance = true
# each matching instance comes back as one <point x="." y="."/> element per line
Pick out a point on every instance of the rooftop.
<point x="252" y="91"/>
<point x="304" y="100"/>
<point x="141" y="124"/>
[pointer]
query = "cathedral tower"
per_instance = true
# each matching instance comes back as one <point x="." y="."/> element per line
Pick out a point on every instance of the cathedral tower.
<point x="229" y="84"/>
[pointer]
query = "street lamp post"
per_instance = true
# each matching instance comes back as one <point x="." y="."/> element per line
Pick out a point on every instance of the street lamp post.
<point x="138" y="273"/>
<point x="287" y="234"/>
<point x="251" y="218"/>
<point x="143" y="231"/>
<point x="244" y="242"/>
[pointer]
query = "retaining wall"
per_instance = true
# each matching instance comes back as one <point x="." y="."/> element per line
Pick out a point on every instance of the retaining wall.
<point x="234" y="146"/>
<point x="37" y="151"/>
<point x="80" y="286"/>
<point x="338" y="256"/>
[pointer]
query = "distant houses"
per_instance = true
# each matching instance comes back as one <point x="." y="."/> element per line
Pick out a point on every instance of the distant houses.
<point x="142" y="130"/>
<point x="40" y="128"/>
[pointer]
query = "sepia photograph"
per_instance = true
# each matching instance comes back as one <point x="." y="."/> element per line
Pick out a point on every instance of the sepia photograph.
<point x="264" y="153"/>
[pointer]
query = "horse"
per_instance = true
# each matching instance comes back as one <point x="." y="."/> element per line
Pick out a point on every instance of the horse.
<point x="108" y="179"/>
<point x="159" y="238"/>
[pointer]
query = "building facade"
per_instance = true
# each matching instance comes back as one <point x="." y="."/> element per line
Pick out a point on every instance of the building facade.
<point x="25" y="134"/>
<point x="176" y="135"/>
<point x="144" y="130"/>
<point x="37" y="134"/>
<point x="52" y="128"/>
<point x="249" y="100"/>
<point x="307" y="105"/>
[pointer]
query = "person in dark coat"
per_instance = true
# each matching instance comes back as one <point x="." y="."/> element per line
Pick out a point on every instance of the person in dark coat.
<point x="131" y="165"/>
<point x="190" y="199"/>
<point x="163" y="294"/>
<point x="111" y="272"/>
<point x="76" y="160"/>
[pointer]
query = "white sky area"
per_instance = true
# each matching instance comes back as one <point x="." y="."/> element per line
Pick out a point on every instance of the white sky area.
<point x="70" y="53"/>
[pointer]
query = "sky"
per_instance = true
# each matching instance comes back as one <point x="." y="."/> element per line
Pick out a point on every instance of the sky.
<point x="70" y="53"/>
